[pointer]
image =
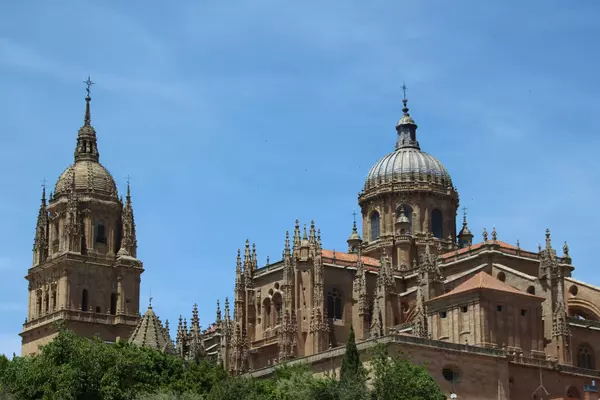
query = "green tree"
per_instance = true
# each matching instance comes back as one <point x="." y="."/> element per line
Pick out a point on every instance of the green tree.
<point x="399" y="379"/>
<point x="352" y="385"/>
<point x="72" y="367"/>
<point x="351" y="365"/>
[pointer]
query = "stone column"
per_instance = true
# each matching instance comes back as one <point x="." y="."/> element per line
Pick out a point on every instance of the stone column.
<point x="120" y="296"/>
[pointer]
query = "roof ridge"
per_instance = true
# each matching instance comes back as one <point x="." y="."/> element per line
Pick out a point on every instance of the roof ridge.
<point x="483" y="280"/>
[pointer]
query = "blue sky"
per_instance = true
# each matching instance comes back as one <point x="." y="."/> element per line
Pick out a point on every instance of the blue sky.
<point x="235" y="118"/>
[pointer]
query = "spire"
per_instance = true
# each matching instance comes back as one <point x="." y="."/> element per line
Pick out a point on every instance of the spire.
<point x="128" y="240"/>
<point x="248" y="264"/>
<point x="87" y="146"/>
<point x="218" y="319"/>
<point x="312" y="236"/>
<point x="354" y="240"/>
<point x="254" y="258"/>
<point x="40" y="243"/>
<point x="465" y="237"/>
<point x="227" y="313"/>
<point x="286" y="251"/>
<point x="297" y="235"/>
<point x="406" y="127"/>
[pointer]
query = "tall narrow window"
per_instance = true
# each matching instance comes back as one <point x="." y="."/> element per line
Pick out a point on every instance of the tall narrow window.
<point x="84" y="300"/>
<point x="437" y="224"/>
<point x="113" y="303"/>
<point x="47" y="299"/>
<point x="54" y="300"/>
<point x="100" y="233"/>
<point x="39" y="305"/>
<point x="375" y="228"/>
<point x="277" y="303"/>
<point x="267" y="308"/>
<point x="585" y="356"/>
<point x="334" y="304"/>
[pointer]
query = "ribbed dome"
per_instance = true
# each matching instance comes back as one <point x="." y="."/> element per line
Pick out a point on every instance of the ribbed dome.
<point x="90" y="177"/>
<point x="408" y="164"/>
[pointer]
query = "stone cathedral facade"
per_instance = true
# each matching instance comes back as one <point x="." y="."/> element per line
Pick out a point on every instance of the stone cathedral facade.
<point x="490" y="319"/>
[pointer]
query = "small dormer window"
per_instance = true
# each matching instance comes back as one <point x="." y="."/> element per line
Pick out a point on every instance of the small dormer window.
<point x="499" y="308"/>
<point x="523" y="312"/>
<point x="465" y="308"/>
<point x="100" y="233"/>
<point x="443" y="314"/>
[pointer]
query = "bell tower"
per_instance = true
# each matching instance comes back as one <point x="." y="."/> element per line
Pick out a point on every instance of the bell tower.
<point x="85" y="272"/>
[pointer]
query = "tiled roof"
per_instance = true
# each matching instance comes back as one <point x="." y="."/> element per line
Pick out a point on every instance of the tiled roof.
<point x="484" y="281"/>
<point x="478" y="246"/>
<point x="151" y="333"/>
<point x="349" y="258"/>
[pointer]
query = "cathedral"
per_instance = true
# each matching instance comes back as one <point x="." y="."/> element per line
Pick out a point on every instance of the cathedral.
<point x="488" y="318"/>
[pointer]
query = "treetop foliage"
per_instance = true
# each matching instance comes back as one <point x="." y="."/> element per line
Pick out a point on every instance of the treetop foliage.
<point x="76" y="368"/>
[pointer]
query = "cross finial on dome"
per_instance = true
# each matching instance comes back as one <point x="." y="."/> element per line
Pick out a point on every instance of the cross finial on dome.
<point x="88" y="86"/>
<point x="404" y="100"/>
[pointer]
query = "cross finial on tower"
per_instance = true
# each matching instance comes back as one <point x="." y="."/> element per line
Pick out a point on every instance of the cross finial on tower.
<point x="404" y="100"/>
<point x="88" y="84"/>
<point x="150" y="302"/>
<point x="354" y="216"/>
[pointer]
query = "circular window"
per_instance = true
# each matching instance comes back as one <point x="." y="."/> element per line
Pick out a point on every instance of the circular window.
<point x="501" y="276"/>
<point x="531" y="290"/>
<point x="451" y="374"/>
<point x="277" y="285"/>
<point x="573" y="290"/>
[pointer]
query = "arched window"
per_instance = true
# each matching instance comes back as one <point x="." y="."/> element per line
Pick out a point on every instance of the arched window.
<point x="39" y="305"/>
<point x="451" y="373"/>
<point x="84" y="300"/>
<point x="573" y="393"/>
<point x="531" y="290"/>
<point x="277" y="304"/>
<point x="267" y="309"/>
<point x="437" y="224"/>
<point x="585" y="356"/>
<point x="501" y="276"/>
<point x="113" y="304"/>
<point x="47" y="302"/>
<point x="375" y="228"/>
<point x="54" y="300"/>
<point x="334" y="304"/>
<point x="408" y="211"/>
<point x="100" y="232"/>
